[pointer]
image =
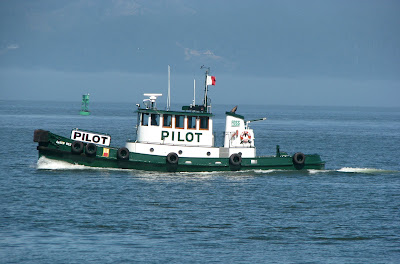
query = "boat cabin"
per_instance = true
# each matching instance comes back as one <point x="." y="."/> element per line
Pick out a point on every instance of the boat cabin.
<point x="160" y="131"/>
<point x="175" y="128"/>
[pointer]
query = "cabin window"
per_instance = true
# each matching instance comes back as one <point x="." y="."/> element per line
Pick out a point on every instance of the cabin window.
<point x="155" y="119"/>
<point x="204" y="122"/>
<point x="179" y="121"/>
<point x="145" y="119"/>
<point x="191" y="122"/>
<point x="167" y="120"/>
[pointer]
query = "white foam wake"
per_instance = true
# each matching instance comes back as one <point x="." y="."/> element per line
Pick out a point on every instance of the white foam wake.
<point x="50" y="164"/>
<point x="313" y="171"/>
<point x="362" y="170"/>
<point x="354" y="170"/>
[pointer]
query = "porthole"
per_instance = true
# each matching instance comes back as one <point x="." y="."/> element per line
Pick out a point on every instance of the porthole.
<point x="151" y="150"/>
<point x="180" y="152"/>
<point x="208" y="153"/>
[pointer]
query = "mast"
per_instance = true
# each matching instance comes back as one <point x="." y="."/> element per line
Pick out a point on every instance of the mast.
<point x="169" y="89"/>
<point x="194" y="91"/>
<point x="205" y="87"/>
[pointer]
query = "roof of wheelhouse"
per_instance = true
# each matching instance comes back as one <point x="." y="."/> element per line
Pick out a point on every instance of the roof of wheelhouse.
<point x="162" y="112"/>
<point x="234" y="115"/>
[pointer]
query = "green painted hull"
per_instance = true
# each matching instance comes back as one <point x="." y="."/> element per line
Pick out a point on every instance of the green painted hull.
<point x="56" y="147"/>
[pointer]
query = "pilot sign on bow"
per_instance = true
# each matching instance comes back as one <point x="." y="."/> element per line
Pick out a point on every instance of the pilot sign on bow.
<point x="245" y="137"/>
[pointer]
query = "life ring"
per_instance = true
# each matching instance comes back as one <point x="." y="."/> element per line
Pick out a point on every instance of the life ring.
<point x="90" y="149"/>
<point x="123" y="154"/>
<point x="77" y="147"/>
<point x="299" y="159"/>
<point x="235" y="160"/>
<point x="172" y="158"/>
<point x="245" y="137"/>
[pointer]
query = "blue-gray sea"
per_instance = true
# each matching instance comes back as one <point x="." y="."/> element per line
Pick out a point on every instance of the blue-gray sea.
<point x="53" y="212"/>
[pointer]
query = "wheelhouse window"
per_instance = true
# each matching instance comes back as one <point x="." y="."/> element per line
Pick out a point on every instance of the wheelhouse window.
<point x="204" y="120"/>
<point x="155" y="119"/>
<point x="167" y="120"/>
<point x="191" y="122"/>
<point x="179" y="121"/>
<point x="145" y="119"/>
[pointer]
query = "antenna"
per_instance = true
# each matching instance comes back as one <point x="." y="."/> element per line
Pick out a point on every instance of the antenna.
<point x="194" y="91"/>
<point x="169" y="89"/>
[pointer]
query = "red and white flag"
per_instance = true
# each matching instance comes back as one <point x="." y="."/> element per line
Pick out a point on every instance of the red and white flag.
<point x="210" y="80"/>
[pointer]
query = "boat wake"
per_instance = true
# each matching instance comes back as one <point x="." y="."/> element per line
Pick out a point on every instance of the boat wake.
<point x="354" y="171"/>
<point x="364" y="170"/>
<point x="49" y="164"/>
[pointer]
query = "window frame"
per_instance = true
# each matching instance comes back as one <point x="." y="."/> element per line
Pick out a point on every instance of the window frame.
<point x="195" y="122"/>
<point x="147" y="115"/>
<point x="208" y="123"/>
<point x="183" y="122"/>
<point x="157" y="119"/>
<point x="170" y="126"/>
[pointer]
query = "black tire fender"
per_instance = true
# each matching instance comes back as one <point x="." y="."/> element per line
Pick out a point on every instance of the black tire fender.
<point x="123" y="154"/>
<point x="172" y="158"/>
<point x="235" y="159"/>
<point x="91" y="149"/>
<point x="299" y="158"/>
<point x="77" y="147"/>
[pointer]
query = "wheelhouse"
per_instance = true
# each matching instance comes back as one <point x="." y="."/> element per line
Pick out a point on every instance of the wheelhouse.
<point x="175" y="127"/>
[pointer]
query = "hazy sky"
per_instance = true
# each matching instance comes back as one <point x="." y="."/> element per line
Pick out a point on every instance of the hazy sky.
<point x="262" y="52"/>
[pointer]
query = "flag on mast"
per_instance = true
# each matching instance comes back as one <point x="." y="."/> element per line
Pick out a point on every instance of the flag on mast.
<point x="210" y="80"/>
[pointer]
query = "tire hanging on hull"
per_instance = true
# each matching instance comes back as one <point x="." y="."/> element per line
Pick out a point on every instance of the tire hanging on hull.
<point x="172" y="161"/>
<point x="123" y="154"/>
<point x="172" y="158"/>
<point x="235" y="161"/>
<point x="77" y="147"/>
<point x="91" y="149"/>
<point x="299" y="160"/>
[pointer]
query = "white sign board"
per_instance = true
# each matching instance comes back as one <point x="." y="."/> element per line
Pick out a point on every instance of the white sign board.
<point x="90" y="137"/>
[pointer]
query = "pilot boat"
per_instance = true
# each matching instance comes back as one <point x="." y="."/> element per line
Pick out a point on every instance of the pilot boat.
<point x="173" y="141"/>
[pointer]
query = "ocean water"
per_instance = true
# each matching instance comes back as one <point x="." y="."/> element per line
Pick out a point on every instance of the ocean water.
<point x="54" y="212"/>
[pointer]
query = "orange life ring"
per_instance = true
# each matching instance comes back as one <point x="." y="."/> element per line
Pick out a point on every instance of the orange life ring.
<point x="245" y="137"/>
